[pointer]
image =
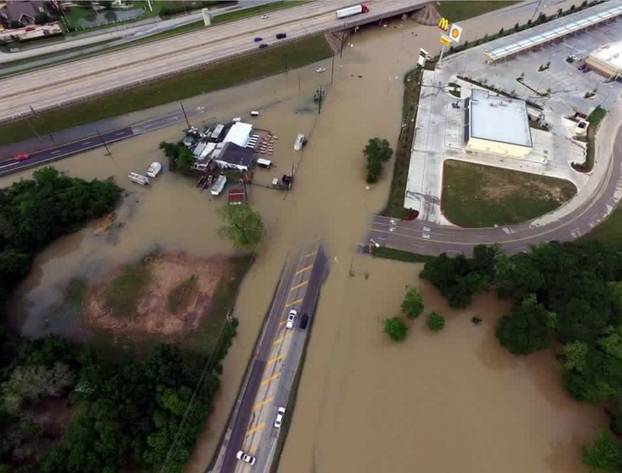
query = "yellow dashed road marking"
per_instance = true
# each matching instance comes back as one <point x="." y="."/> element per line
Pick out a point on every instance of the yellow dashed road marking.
<point x="271" y="378"/>
<point x="297" y="301"/>
<point x="259" y="428"/>
<point x="275" y="359"/>
<point x="280" y="339"/>
<point x="303" y="283"/>
<point x="306" y="268"/>
<point x="262" y="403"/>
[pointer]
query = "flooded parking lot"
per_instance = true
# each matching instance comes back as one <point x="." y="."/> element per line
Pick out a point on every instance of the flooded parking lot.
<point x="451" y="402"/>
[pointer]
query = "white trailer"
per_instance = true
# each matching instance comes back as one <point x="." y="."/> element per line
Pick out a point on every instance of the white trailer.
<point x="351" y="11"/>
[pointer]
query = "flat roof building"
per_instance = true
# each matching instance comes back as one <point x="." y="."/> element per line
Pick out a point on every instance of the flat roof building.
<point x="239" y="133"/>
<point x="607" y="60"/>
<point x="496" y="125"/>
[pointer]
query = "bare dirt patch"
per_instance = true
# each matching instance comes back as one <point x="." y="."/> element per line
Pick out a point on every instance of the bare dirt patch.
<point x="152" y="314"/>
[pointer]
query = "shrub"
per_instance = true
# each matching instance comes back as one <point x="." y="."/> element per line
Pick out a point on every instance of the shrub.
<point x="412" y="305"/>
<point x="435" y="322"/>
<point x="395" y="329"/>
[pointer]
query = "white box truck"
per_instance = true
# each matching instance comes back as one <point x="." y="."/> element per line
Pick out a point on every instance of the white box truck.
<point x="351" y="11"/>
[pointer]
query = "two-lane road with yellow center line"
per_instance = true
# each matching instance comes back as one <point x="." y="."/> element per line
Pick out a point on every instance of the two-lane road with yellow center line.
<point x="269" y="381"/>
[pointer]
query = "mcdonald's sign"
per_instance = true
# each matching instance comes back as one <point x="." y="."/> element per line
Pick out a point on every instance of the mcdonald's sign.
<point x="443" y="24"/>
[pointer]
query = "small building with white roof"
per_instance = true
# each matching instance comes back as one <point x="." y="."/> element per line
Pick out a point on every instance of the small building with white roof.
<point x="496" y="125"/>
<point x="607" y="60"/>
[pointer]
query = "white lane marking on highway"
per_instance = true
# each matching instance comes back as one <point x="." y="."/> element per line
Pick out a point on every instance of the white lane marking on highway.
<point x="56" y="151"/>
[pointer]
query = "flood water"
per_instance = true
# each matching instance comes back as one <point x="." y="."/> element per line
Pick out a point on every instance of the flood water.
<point x="453" y="401"/>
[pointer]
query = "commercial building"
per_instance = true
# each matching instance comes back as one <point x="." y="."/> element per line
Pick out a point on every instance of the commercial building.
<point x="607" y="60"/>
<point x="231" y="156"/>
<point x="239" y="133"/>
<point x="552" y="31"/>
<point x="496" y="125"/>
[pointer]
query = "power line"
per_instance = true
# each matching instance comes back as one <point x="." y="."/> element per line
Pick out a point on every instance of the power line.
<point x="206" y="368"/>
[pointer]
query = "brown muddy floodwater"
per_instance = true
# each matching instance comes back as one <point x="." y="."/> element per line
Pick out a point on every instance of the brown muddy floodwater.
<point x="449" y="402"/>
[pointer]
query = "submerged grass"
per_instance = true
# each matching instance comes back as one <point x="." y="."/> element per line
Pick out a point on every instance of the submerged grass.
<point x="181" y="295"/>
<point x="124" y="292"/>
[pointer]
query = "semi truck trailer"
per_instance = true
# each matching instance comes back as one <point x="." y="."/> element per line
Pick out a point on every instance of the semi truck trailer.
<point x="351" y="11"/>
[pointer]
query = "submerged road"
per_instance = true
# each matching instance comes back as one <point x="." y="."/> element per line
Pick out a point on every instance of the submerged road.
<point x="273" y="367"/>
<point x="431" y="239"/>
<point x="77" y="80"/>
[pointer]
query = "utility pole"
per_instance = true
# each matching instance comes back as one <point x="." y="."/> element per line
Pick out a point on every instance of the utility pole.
<point x="332" y="69"/>
<point x="184" y="112"/>
<point x="108" y="153"/>
<point x="30" y="125"/>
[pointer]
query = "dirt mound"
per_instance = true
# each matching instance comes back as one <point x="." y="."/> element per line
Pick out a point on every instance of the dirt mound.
<point x="152" y="315"/>
<point x="428" y="15"/>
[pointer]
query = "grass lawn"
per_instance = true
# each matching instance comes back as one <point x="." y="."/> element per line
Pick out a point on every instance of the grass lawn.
<point x="610" y="231"/>
<point x="238" y="15"/>
<point x="594" y="118"/>
<point x="216" y="76"/>
<point x="395" y="204"/>
<point x="483" y="196"/>
<point x="179" y="298"/>
<point x="125" y="290"/>
<point x="399" y="255"/>
<point x="462" y="10"/>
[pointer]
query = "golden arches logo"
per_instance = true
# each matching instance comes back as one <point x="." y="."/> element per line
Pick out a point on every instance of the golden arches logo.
<point x="443" y="24"/>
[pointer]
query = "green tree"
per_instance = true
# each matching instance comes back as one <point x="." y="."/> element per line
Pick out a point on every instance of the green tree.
<point x="374" y="168"/>
<point x="435" y="322"/>
<point x="378" y="149"/>
<point x="528" y="328"/>
<point x="574" y="356"/>
<point x="184" y="162"/>
<point x="603" y="455"/>
<point x="33" y="383"/>
<point x="412" y="305"/>
<point x="395" y="329"/>
<point x="242" y="225"/>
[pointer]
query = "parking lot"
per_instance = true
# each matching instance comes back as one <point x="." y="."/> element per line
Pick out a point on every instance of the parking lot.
<point x="548" y="78"/>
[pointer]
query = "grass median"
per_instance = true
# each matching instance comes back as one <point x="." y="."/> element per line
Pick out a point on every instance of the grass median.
<point x="412" y="88"/>
<point x="221" y="75"/>
<point x="476" y="196"/>
<point x="458" y="11"/>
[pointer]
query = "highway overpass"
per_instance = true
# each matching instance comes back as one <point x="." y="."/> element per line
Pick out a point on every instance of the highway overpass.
<point x="78" y="80"/>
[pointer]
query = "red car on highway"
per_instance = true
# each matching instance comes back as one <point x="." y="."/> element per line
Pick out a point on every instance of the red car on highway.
<point x="21" y="156"/>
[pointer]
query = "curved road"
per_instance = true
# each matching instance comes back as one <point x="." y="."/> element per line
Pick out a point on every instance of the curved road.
<point x="431" y="239"/>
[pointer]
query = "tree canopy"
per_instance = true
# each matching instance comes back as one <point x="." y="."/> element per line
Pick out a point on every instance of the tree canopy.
<point x="242" y="225"/>
<point x="36" y="211"/>
<point x="395" y="329"/>
<point x="412" y="305"/>
<point x="377" y="151"/>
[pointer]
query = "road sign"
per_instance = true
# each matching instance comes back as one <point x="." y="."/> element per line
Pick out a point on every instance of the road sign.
<point x="455" y="33"/>
<point x="445" y="41"/>
<point x="443" y="24"/>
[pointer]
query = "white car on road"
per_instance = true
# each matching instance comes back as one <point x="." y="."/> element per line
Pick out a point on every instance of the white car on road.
<point x="245" y="457"/>
<point x="291" y="318"/>
<point x="280" y="413"/>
